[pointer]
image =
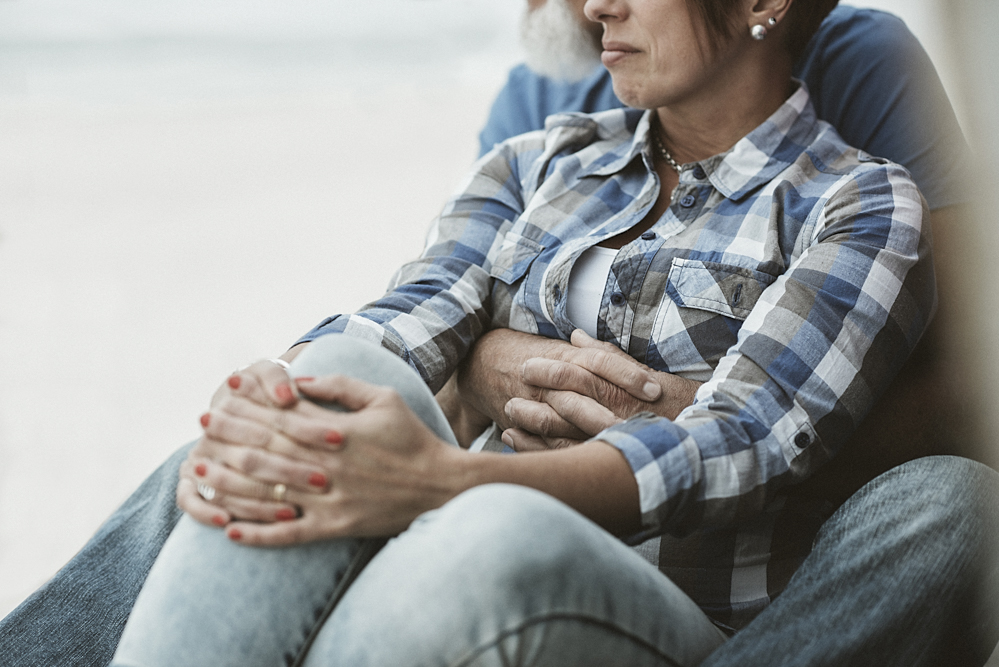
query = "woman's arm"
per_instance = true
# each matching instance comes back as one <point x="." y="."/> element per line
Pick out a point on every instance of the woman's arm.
<point x="817" y="350"/>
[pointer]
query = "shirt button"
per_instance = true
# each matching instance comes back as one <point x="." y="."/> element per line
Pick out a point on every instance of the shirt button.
<point x="648" y="236"/>
<point x="688" y="201"/>
<point x="802" y="440"/>
<point x="618" y="299"/>
<point x="699" y="173"/>
<point x="557" y="292"/>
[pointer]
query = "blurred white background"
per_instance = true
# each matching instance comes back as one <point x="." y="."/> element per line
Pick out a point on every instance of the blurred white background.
<point x="189" y="186"/>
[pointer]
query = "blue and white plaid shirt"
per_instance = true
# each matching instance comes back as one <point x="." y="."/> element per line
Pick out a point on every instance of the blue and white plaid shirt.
<point x="791" y="273"/>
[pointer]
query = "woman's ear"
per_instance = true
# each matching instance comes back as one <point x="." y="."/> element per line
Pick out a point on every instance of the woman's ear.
<point x="765" y="15"/>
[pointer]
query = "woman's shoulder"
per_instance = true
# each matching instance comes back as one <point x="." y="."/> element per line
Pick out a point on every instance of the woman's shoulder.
<point x="831" y="182"/>
<point x="829" y="161"/>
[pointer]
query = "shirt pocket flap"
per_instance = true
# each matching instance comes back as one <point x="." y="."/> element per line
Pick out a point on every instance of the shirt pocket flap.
<point x="514" y="257"/>
<point x="728" y="290"/>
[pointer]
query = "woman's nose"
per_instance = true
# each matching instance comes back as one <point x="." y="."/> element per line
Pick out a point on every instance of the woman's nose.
<point x="604" y="11"/>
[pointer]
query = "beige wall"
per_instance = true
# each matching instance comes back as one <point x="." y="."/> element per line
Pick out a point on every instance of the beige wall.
<point x="971" y="28"/>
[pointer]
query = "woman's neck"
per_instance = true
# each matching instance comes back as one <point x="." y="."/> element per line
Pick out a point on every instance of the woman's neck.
<point x="712" y="122"/>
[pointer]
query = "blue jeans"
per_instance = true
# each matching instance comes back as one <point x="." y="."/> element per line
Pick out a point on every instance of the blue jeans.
<point x="501" y="573"/>
<point x="892" y="580"/>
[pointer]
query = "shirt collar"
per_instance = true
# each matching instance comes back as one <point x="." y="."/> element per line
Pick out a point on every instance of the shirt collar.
<point x="753" y="161"/>
<point x="621" y="155"/>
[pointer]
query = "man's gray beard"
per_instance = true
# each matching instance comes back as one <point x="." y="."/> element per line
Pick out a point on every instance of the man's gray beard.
<point x="556" y="45"/>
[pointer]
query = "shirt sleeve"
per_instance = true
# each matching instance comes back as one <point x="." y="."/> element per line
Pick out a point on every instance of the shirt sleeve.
<point x="814" y="354"/>
<point x="519" y="107"/>
<point x="439" y="304"/>
<point x="871" y="79"/>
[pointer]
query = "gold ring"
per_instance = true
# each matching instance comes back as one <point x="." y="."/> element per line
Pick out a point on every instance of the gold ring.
<point x="279" y="492"/>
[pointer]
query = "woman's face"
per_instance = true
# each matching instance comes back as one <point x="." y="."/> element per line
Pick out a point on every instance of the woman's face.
<point x="658" y="52"/>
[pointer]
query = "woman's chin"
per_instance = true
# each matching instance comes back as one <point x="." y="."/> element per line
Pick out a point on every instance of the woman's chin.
<point x="633" y="97"/>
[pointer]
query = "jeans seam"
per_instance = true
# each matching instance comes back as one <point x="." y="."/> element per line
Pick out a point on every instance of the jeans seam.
<point x="368" y="549"/>
<point x="475" y="653"/>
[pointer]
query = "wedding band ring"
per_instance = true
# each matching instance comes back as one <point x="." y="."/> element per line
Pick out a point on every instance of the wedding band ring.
<point x="279" y="492"/>
<point x="205" y="491"/>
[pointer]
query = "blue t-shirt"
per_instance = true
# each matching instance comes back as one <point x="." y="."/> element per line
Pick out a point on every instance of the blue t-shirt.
<point x="867" y="74"/>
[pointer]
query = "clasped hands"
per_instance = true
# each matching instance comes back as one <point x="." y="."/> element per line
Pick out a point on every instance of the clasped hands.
<point x="366" y="471"/>
<point x="371" y="470"/>
<point x="550" y="394"/>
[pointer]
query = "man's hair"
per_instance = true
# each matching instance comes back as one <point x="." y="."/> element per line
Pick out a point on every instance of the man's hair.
<point x="801" y="21"/>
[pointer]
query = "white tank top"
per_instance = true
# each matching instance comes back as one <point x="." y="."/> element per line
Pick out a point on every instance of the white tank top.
<point x="586" y="287"/>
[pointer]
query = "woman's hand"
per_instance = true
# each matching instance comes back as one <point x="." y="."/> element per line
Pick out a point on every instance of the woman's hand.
<point x="223" y="453"/>
<point x="578" y="398"/>
<point x="246" y="468"/>
<point x="384" y="466"/>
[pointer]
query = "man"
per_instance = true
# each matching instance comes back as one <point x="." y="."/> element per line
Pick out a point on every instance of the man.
<point x="77" y="617"/>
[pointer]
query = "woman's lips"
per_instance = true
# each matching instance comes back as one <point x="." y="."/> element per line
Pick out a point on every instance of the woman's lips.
<point x="615" y="52"/>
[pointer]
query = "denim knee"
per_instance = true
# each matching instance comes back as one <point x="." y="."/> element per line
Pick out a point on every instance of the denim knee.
<point x="928" y="494"/>
<point x="339" y="354"/>
<point x="938" y="516"/>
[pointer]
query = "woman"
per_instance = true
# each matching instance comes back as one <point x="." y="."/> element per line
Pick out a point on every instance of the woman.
<point x="754" y="250"/>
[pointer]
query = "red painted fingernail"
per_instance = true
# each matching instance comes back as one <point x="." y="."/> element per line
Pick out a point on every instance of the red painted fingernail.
<point x="318" y="479"/>
<point x="235" y="381"/>
<point x="305" y="379"/>
<point x="283" y="392"/>
<point x="234" y="534"/>
<point x="206" y="419"/>
<point x="333" y="437"/>
<point x="285" y="514"/>
<point x="219" y="521"/>
<point x="201" y="470"/>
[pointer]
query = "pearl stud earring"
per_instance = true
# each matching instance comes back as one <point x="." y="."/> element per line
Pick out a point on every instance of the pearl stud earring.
<point x="758" y="32"/>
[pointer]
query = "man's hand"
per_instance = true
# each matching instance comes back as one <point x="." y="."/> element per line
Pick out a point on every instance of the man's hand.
<point x="582" y="394"/>
<point x="560" y="392"/>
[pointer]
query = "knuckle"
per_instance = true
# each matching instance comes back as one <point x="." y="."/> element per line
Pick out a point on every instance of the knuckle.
<point x="562" y="375"/>
<point x="201" y="448"/>
<point x="391" y="395"/>
<point x="611" y="396"/>
<point x="261" y="490"/>
<point x="249" y="460"/>
<point x="547" y="423"/>
<point x="228" y="404"/>
<point x="271" y="441"/>
<point x="279" y="421"/>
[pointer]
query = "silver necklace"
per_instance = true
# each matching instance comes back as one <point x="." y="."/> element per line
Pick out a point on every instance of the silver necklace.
<point x="657" y="139"/>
